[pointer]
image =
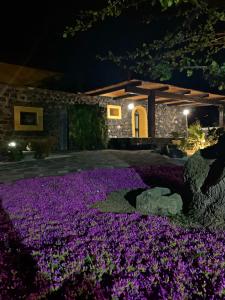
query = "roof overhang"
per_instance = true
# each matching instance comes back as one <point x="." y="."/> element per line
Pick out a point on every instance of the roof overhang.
<point x="136" y="90"/>
<point x="24" y="76"/>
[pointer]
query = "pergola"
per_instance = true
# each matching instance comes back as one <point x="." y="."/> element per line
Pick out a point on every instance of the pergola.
<point x="158" y="93"/>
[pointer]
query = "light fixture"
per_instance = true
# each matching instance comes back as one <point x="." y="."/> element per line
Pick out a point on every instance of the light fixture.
<point x="130" y="106"/>
<point x="12" y="144"/>
<point x="186" y="112"/>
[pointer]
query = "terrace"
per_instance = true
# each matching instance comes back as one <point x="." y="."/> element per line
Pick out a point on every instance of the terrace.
<point x="150" y="94"/>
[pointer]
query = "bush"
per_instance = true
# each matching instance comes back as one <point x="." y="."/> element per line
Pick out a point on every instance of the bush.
<point x="197" y="139"/>
<point x="42" y="146"/>
<point x="214" y="134"/>
<point x="87" y="127"/>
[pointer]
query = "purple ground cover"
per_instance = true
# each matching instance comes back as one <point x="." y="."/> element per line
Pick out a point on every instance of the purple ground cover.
<point x="53" y="244"/>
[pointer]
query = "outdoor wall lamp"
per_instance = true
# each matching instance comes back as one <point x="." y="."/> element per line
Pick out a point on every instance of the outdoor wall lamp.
<point x="12" y="144"/>
<point x="130" y="106"/>
<point x="185" y="113"/>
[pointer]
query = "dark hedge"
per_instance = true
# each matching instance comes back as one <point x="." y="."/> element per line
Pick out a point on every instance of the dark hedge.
<point x="87" y="127"/>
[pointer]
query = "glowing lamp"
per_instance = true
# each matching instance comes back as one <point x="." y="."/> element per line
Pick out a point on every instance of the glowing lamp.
<point x="12" y="144"/>
<point x="186" y="112"/>
<point x="130" y="106"/>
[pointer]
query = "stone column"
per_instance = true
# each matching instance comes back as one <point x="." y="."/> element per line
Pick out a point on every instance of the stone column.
<point x="151" y="115"/>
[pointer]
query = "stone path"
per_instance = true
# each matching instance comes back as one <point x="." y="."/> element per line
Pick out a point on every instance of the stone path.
<point x="77" y="161"/>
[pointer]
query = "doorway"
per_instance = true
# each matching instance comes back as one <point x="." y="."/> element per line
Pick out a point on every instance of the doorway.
<point x="139" y="122"/>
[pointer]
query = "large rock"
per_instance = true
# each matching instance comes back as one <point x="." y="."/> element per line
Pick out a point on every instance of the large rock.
<point x="159" y="201"/>
<point x="204" y="178"/>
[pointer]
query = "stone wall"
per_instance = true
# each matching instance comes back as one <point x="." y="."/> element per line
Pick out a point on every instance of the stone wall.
<point x="53" y="103"/>
<point x="168" y="118"/>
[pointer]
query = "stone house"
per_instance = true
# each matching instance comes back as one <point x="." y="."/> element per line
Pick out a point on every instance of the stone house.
<point x="133" y="109"/>
<point x="140" y="109"/>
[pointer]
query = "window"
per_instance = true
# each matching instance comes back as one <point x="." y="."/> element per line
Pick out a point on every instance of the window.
<point x="113" y="112"/>
<point x="28" y="118"/>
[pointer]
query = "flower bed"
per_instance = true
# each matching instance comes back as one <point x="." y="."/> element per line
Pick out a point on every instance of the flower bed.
<point x="53" y="244"/>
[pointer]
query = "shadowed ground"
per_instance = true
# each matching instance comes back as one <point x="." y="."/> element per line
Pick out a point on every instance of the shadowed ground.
<point x="17" y="267"/>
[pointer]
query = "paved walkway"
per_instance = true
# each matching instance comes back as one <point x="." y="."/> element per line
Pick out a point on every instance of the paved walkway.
<point x="77" y="161"/>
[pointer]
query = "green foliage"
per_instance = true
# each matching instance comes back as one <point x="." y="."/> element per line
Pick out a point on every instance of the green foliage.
<point x="196" y="135"/>
<point x="89" y="18"/>
<point x="196" y="138"/>
<point x="15" y="154"/>
<point x="42" y="146"/>
<point x="213" y="135"/>
<point x="195" y="45"/>
<point x="87" y="128"/>
<point x="168" y="3"/>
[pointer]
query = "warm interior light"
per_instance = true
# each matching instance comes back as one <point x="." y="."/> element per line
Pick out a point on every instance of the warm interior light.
<point x="130" y="106"/>
<point x="186" y="112"/>
<point x="12" y="144"/>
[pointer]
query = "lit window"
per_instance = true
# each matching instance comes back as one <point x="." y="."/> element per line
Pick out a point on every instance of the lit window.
<point x="113" y="112"/>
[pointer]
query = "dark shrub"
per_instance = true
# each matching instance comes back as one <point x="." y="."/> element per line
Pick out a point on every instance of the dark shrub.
<point x="87" y="128"/>
<point x="42" y="146"/>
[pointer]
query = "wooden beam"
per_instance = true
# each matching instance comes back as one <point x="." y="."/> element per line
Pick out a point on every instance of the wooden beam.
<point x="166" y="100"/>
<point x="201" y="95"/>
<point x="123" y="96"/>
<point x="190" y="104"/>
<point x="195" y="103"/>
<point x="183" y="103"/>
<point x="144" y="98"/>
<point x="182" y="92"/>
<point x="151" y="115"/>
<point x="168" y="95"/>
<point x="114" y="87"/>
<point x="212" y="101"/>
<point x="143" y="91"/>
<point x="170" y="101"/>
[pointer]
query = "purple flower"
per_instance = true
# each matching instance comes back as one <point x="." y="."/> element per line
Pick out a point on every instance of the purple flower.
<point x="79" y="251"/>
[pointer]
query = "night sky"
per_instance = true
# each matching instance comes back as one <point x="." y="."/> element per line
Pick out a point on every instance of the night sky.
<point x="31" y="35"/>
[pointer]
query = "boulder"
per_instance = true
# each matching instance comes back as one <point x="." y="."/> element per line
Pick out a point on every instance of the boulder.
<point x="159" y="201"/>
<point x="204" y="178"/>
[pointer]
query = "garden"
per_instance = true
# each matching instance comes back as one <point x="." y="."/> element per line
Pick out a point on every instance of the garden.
<point x="62" y="237"/>
<point x="55" y="245"/>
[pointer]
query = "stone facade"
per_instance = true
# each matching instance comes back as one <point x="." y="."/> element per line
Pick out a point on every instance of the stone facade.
<point x="53" y="103"/>
<point x="168" y="118"/>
